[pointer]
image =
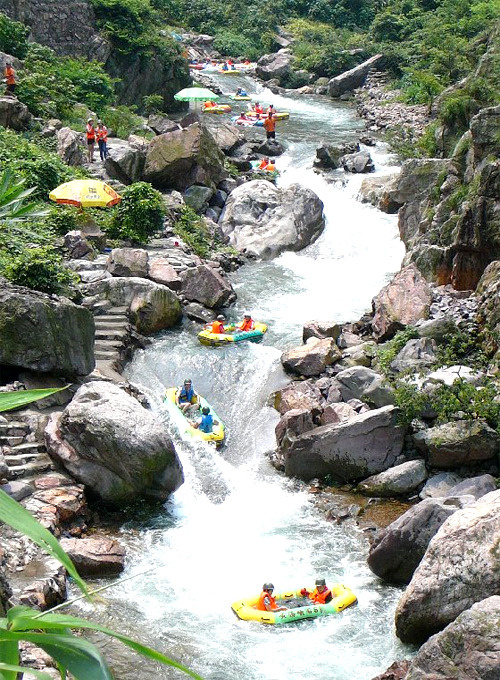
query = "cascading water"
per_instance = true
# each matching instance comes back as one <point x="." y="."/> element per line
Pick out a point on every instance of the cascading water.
<point x="236" y="523"/>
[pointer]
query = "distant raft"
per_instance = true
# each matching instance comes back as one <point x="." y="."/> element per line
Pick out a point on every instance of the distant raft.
<point x="343" y="597"/>
<point x="183" y="423"/>
<point x="206" y="336"/>
<point x="218" y="108"/>
<point x="241" y="97"/>
<point x="278" y="115"/>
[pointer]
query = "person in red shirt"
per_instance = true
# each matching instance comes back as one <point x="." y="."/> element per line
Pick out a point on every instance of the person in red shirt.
<point x="90" y="135"/>
<point x="102" y="139"/>
<point x="10" y="77"/>
<point x="258" y="108"/>
<point x="267" y="602"/>
<point x="270" y="126"/>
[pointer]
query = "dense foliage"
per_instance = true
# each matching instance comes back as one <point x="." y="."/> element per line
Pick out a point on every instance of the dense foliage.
<point x="41" y="269"/>
<point x="140" y="214"/>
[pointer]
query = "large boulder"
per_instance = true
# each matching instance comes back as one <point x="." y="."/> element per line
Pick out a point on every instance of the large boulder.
<point x="69" y="146"/>
<point x="106" y="440"/>
<point x="296" y="421"/>
<point x="161" y="124"/>
<point x="161" y="271"/>
<point x="461" y="567"/>
<point x="263" y="220"/>
<point x="405" y="300"/>
<point x="359" y="162"/>
<point x="275" y="66"/>
<point x="226" y="136"/>
<point x="488" y="290"/>
<point x="205" y="285"/>
<point x="311" y="358"/>
<point x="178" y="159"/>
<point x="360" y="382"/>
<point x="125" y="161"/>
<point x="350" y="80"/>
<point x="96" y="556"/>
<point x="364" y="445"/>
<point x="128" y="262"/>
<point x="321" y="329"/>
<point x="13" y="113"/>
<point x="299" y="395"/>
<point x="416" y="354"/>
<point x="462" y="442"/>
<point x="44" y="333"/>
<point x="467" y="649"/>
<point x="397" y="550"/>
<point x="152" y="307"/>
<point x="399" y="480"/>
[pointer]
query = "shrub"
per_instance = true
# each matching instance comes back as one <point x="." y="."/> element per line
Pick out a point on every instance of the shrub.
<point x="462" y="348"/>
<point x="41" y="269"/>
<point x="13" y="37"/>
<point x="152" y="103"/>
<point x="193" y="231"/>
<point x="122" y="120"/>
<point x="140" y="214"/>
<point x="235" y="44"/>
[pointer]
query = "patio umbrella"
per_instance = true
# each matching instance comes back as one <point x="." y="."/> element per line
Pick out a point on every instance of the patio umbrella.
<point x="85" y="193"/>
<point x="195" y="94"/>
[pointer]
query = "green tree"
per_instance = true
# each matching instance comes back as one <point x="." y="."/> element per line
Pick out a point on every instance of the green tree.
<point x="13" y="37"/>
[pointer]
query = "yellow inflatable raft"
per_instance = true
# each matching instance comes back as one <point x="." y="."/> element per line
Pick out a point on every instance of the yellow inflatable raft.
<point x="206" y="336"/>
<point x="219" y="108"/>
<point x="183" y="422"/>
<point x="343" y="597"/>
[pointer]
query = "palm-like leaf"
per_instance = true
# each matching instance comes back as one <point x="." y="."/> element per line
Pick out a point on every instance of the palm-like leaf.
<point x="12" y="400"/>
<point x="10" y="671"/>
<point x="12" y="200"/>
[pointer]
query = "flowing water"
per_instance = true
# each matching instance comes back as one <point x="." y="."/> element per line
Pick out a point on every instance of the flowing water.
<point x="236" y="522"/>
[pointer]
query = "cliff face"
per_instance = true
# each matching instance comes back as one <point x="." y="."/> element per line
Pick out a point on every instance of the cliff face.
<point x="70" y="29"/>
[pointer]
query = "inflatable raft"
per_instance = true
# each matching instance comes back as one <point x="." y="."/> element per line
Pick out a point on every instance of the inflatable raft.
<point x="343" y="597"/>
<point x="206" y="336"/>
<point x="219" y="108"/>
<point x="279" y="115"/>
<point x="229" y="71"/>
<point x="218" y="433"/>
<point x="240" y="98"/>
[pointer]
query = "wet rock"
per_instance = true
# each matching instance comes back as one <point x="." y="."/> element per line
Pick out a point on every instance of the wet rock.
<point x="128" y="262"/>
<point x="396" y="671"/>
<point x="405" y="300"/>
<point x="262" y="220"/>
<point x="400" y="480"/>
<point x="397" y="550"/>
<point x="462" y="442"/>
<point x="358" y="162"/>
<point x="450" y="579"/>
<point x="110" y="443"/>
<point x="321" y="330"/>
<point x="270" y="148"/>
<point x="312" y="358"/>
<point x="205" y="285"/>
<point x="294" y="423"/>
<point x="364" y="445"/>
<point x="96" y="556"/>
<point x="365" y="384"/>
<point x="330" y="155"/>
<point x="372" y="190"/>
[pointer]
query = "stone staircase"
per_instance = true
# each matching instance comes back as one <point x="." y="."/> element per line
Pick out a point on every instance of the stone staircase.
<point x="24" y="454"/>
<point x="112" y="330"/>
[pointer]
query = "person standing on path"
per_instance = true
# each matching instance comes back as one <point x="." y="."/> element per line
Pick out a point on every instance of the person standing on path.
<point x="10" y="77"/>
<point x="270" y="126"/>
<point x="90" y="134"/>
<point x="102" y="139"/>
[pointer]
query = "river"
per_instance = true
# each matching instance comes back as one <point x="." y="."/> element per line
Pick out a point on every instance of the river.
<point x="236" y="522"/>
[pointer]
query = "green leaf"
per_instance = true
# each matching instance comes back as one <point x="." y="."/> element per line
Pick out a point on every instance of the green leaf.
<point x="78" y="655"/>
<point x="13" y="514"/>
<point x="22" y="618"/>
<point x="20" y="669"/>
<point x="18" y="398"/>
<point x="9" y="655"/>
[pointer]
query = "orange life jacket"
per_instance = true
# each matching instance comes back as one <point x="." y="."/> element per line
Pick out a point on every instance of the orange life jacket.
<point x="10" y="75"/>
<point x="260" y="604"/>
<point x="102" y="134"/>
<point x="320" y="598"/>
<point x="271" y="167"/>
<point x="263" y="164"/>
<point x="269" y="124"/>
<point x="246" y="325"/>
<point x="89" y="131"/>
<point x="217" y="327"/>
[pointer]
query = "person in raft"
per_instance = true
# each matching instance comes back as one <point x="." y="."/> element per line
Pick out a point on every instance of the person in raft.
<point x="321" y="594"/>
<point x="186" y="396"/>
<point x="208" y="104"/>
<point x="240" y="92"/>
<point x="217" y="326"/>
<point x="266" y="602"/>
<point x="258" y="108"/>
<point x="206" y="422"/>
<point x="246" y="325"/>
<point x="271" y="166"/>
<point x="270" y="126"/>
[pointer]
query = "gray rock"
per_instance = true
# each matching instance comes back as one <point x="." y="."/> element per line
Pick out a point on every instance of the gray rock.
<point x="337" y="413"/>
<point x="439" y="486"/>
<point x="197" y="312"/>
<point x="463" y="442"/>
<point x="106" y="440"/>
<point x="70" y="146"/>
<point x="161" y="271"/>
<point x="17" y="489"/>
<point x="299" y="395"/>
<point x="467" y="649"/>
<point x="475" y="486"/>
<point x="205" y="285"/>
<point x="77" y="245"/>
<point x="275" y="66"/>
<point x="312" y="358"/>
<point x="125" y="161"/>
<point x="397" y="550"/>
<point x="364" y="445"/>
<point x="350" y="80"/>
<point x="128" y="262"/>
<point x="461" y="566"/>
<point x="320" y="329"/>
<point x="399" y="480"/>
<point x="365" y="384"/>
<point x="162" y="124"/>
<point x="358" y="355"/>
<point x="358" y="162"/>
<point x="197" y="198"/>
<point x="64" y="339"/>
<point x="262" y="220"/>
<point x="372" y="190"/>
<point x="293" y="423"/>
<point x="226" y="136"/>
<point x="13" y="113"/>
<point x="329" y="155"/>
<point x="415" y="355"/>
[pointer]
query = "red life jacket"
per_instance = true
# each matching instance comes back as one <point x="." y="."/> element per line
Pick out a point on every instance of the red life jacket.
<point x="90" y="132"/>
<point x="217" y="327"/>
<point x="261" y="606"/>
<point x="320" y="598"/>
<point x="246" y="325"/>
<point x="102" y="134"/>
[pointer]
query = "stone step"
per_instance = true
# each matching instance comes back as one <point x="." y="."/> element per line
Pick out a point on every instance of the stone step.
<point x="108" y="344"/>
<point x="106" y="355"/>
<point x="111" y="321"/>
<point x="118" y="310"/>
<point x="106" y="333"/>
<point x="30" y="469"/>
<point x="22" y="459"/>
<point x="27" y="447"/>
<point x="14" y="428"/>
<point x="10" y="441"/>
